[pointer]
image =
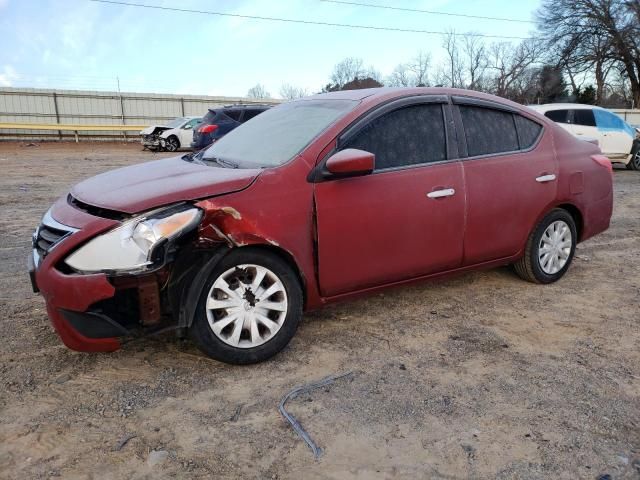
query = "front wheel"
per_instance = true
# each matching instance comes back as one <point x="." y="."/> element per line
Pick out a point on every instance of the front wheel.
<point x="172" y="144"/>
<point x="550" y="248"/>
<point x="249" y="309"/>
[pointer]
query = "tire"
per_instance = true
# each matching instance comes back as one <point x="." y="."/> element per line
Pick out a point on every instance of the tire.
<point x="634" y="162"/>
<point x="534" y="266"/>
<point x="263" y="326"/>
<point x="172" y="144"/>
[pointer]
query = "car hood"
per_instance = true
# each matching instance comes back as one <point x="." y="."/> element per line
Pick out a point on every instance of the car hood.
<point x="153" y="129"/>
<point x="153" y="184"/>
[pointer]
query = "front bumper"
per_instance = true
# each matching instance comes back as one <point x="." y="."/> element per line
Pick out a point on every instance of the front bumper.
<point x="70" y="295"/>
<point x="151" y="141"/>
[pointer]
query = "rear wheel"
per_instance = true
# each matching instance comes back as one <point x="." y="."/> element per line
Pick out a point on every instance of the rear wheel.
<point x="172" y="144"/>
<point x="550" y="248"/>
<point x="634" y="163"/>
<point x="249" y="309"/>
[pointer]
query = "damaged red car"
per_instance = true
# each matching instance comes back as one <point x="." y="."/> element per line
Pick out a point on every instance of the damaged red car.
<point x="316" y="200"/>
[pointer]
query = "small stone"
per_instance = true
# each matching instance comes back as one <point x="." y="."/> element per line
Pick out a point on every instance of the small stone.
<point x="157" y="457"/>
<point x="63" y="379"/>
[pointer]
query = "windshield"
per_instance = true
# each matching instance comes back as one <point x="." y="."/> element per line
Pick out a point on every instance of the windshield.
<point x="277" y="135"/>
<point x="176" y="122"/>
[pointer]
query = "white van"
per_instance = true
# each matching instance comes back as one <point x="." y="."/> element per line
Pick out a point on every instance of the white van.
<point x="617" y="139"/>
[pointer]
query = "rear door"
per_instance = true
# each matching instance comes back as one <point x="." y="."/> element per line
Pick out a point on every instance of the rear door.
<point x="563" y="117"/>
<point x="404" y="220"/>
<point x="510" y="177"/>
<point x="617" y="136"/>
<point x="584" y="124"/>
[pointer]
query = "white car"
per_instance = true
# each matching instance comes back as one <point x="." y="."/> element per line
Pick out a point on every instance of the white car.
<point x="617" y="139"/>
<point x="176" y="134"/>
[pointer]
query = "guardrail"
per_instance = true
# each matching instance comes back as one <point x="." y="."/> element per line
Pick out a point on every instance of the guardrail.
<point x="75" y="128"/>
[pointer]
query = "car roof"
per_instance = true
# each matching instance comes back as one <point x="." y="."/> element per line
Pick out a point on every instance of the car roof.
<point x="564" y="106"/>
<point x="374" y="96"/>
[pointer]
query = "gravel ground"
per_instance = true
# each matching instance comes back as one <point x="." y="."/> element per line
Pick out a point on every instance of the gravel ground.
<point x="480" y="376"/>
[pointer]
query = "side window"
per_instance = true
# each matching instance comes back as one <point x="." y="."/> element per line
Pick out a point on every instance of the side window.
<point x="408" y="136"/>
<point x="558" y="116"/>
<point x="192" y="123"/>
<point x="488" y="131"/>
<point x="250" y="113"/>
<point x="233" y="114"/>
<point x="584" y="116"/>
<point x="528" y="131"/>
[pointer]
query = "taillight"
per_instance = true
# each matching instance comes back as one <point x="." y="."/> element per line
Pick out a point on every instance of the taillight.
<point x="208" y="128"/>
<point x="603" y="161"/>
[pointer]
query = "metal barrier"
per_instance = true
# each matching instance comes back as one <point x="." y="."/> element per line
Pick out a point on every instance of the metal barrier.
<point x="75" y="128"/>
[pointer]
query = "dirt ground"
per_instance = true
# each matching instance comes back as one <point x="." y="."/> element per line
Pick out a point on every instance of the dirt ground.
<point x="481" y="376"/>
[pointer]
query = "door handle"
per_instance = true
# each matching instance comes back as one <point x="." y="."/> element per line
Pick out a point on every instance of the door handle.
<point x="446" y="192"/>
<point x="546" y="178"/>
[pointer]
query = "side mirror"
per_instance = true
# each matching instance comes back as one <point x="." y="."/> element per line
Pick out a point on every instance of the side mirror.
<point x="351" y="162"/>
<point x="188" y="126"/>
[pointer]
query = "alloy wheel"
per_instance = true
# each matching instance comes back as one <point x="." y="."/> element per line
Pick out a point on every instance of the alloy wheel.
<point x="172" y="145"/>
<point x="554" y="248"/>
<point x="246" y="306"/>
<point x="635" y="160"/>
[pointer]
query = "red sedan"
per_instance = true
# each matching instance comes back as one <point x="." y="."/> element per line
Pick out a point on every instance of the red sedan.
<point x="314" y="201"/>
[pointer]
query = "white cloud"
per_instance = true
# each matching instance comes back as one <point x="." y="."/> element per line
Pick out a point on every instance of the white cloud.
<point x="9" y="74"/>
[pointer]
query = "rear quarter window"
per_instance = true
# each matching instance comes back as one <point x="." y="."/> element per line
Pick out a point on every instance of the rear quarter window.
<point x="233" y="114"/>
<point x="250" y="113"/>
<point x="528" y="131"/>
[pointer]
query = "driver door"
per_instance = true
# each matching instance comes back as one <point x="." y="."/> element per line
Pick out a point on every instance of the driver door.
<point x="404" y="220"/>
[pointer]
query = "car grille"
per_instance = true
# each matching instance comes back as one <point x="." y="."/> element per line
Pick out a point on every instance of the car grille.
<point x="49" y="234"/>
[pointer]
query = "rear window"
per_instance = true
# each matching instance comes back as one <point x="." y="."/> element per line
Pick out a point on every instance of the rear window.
<point x="559" y="116"/>
<point x="210" y="117"/>
<point x="215" y="117"/>
<point x="488" y="131"/>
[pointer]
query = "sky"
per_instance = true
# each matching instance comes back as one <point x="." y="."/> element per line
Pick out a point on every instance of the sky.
<point x="80" y="44"/>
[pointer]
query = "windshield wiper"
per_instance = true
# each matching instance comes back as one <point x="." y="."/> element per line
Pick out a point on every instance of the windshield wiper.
<point x="220" y="161"/>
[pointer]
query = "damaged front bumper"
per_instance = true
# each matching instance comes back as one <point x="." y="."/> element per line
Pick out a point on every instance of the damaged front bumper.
<point x="92" y="312"/>
<point x="152" y="142"/>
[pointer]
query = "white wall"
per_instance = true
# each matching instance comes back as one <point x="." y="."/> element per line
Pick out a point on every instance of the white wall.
<point x="29" y="105"/>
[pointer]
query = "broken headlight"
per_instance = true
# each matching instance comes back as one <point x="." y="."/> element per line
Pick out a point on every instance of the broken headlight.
<point x="130" y="246"/>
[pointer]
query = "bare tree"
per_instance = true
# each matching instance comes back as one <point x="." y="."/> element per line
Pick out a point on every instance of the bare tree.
<point x="594" y="34"/>
<point x="258" y="91"/>
<point x="347" y="70"/>
<point x="453" y="72"/>
<point x="400" y="76"/>
<point x="511" y="65"/>
<point x="290" y="92"/>
<point x="419" y="67"/>
<point x="475" y="61"/>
